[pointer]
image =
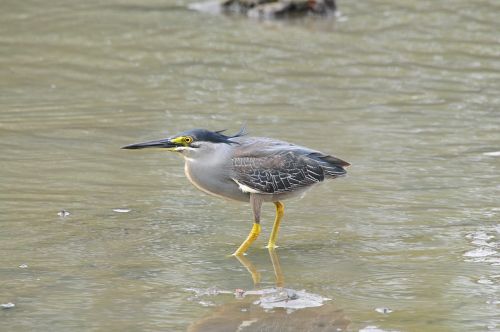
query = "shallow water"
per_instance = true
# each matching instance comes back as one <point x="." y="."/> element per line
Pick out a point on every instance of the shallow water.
<point x="406" y="92"/>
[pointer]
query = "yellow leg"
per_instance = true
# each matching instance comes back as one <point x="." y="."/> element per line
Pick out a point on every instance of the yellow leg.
<point x="280" y="210"/>
<point x="254" y="233"/>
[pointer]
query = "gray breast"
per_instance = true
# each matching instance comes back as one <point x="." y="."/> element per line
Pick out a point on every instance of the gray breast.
<point x="215" y="180"/>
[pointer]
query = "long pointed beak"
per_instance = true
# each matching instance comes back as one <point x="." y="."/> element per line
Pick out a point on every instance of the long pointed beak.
<point x="163" y="143"/>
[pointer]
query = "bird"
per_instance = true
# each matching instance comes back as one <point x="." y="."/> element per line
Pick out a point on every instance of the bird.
<point x="248" y="169"/>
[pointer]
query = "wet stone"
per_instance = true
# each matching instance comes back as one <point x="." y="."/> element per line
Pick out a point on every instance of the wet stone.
<point x="269" y="8"/>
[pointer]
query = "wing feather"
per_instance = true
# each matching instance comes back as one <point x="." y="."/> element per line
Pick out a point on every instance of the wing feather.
<point x="271" y="166"/>
<point x="277" y="173"/>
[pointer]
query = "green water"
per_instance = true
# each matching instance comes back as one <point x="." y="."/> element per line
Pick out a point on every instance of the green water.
<point x="406" y="92"/>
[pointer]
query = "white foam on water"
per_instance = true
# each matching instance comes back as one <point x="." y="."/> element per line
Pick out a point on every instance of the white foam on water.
<point x="122" y="210"/>
<point x="480" y="252"/>
<point x="384" y="310"/>
<point x="487" y="247"/>
<point x="7" y="305"/>
<point x="492" y="154"/>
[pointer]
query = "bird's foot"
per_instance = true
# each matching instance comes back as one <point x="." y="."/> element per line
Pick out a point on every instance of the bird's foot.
<point x="254" y="233"/>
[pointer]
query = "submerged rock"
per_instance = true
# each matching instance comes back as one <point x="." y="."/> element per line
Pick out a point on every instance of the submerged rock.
<point x="241" y="315"/>
<point x="276" y="309"/>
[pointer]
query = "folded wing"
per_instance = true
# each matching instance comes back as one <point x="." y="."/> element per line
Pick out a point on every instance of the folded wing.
<point x="277" y="171"/>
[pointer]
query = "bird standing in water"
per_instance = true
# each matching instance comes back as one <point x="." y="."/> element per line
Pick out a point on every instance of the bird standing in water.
<point x="249" y="169"/>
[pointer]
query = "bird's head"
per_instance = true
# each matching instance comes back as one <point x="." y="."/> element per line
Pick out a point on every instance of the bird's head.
<point x="190" y="142"/>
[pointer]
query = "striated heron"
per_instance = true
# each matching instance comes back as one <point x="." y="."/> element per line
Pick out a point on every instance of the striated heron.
<point x="249" y="169"/>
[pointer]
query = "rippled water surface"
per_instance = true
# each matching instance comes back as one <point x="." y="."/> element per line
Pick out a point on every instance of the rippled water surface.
<point x="405" y="91"/>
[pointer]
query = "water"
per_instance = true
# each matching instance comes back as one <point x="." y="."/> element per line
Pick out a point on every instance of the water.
<point x="406" y="92"/>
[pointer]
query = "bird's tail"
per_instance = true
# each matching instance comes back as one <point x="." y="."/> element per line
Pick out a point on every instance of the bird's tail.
<point x="333" y="166"/>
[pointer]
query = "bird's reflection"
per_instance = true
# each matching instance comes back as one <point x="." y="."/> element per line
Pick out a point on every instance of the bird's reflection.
<point x="256" y="276"/>
<point x="251" y="268"/>
<point x="272" y="309"/>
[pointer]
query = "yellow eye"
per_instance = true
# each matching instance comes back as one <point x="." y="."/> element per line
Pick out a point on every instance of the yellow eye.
<point x="188" y="140"/>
